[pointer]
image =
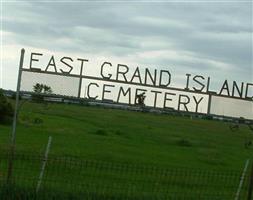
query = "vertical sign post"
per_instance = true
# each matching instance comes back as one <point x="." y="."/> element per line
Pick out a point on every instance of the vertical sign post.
<point x="209" y="104"/>
<point x="13" y="134"/>
<point x="80" y="81"/>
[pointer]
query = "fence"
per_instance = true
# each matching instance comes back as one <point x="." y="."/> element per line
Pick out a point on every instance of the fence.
<point x="78" y="178"/>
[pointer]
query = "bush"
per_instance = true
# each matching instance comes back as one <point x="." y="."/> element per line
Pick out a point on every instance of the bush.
<point x="208" y="117"/>
<point x="241" y="120"/>
<point x="38" y="98"/>
<point x="37" y="120"/>
<point x="6" y="109"/>
<point x="101" y="132"/>
<point x="118" y="132"/>
<point x="184" y="143"/>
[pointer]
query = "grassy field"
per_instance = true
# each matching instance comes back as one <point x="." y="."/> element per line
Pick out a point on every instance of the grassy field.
<point x="123" y="136"/>
<point x="132" y="138"/>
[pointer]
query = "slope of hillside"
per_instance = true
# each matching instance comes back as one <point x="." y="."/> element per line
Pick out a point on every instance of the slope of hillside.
<point x="132" y="137"/>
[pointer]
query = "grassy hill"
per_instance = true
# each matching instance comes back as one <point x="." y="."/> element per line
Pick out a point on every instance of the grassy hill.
<point x="132" y="137"/>
<point x="125" y="154"/>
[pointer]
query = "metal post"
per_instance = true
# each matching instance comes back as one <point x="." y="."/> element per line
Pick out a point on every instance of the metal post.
<point x="44" y="164"/>
<point x="81" y="79"/>
<point x="242" y="180"/>
<point x="13" y="134"/>
<point x="80" y="83"/>
<point x="209" y="104"/>
<point x="250" y="192"/>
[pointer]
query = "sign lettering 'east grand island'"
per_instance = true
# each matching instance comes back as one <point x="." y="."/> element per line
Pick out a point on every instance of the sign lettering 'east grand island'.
<point x="122" y="84"/>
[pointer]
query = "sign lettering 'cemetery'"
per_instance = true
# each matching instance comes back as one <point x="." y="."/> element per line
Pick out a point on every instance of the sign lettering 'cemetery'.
<point x="122" y="83"/>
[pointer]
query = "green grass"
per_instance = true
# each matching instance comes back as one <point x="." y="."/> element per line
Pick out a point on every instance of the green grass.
<point x="134" y="138"/>
<point x="123" y="136"/>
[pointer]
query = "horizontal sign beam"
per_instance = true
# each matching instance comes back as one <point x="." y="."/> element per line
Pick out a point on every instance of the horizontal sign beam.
<point x="132" y="83"/>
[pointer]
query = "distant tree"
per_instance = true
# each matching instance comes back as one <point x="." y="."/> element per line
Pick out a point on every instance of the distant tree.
<point x="39" y="90"/>
<point x="140" y="99"/>
<point x="6" y="109"/>
<point x="47" y="89"/>
<point x="241" y="120"/>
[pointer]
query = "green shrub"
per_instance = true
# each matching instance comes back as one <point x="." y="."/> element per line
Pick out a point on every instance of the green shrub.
<point x="118" y="132"/>
<point x="37" y="120"/>
<point x="241" y="120"/>
<point x="38" y="98"/>
<point x="184" y="143"/>
<point x="101" y="132"/>
<point x="6" y="109"/>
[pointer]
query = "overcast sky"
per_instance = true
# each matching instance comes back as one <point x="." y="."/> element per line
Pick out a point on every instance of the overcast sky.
<point x="209" y="38"/>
